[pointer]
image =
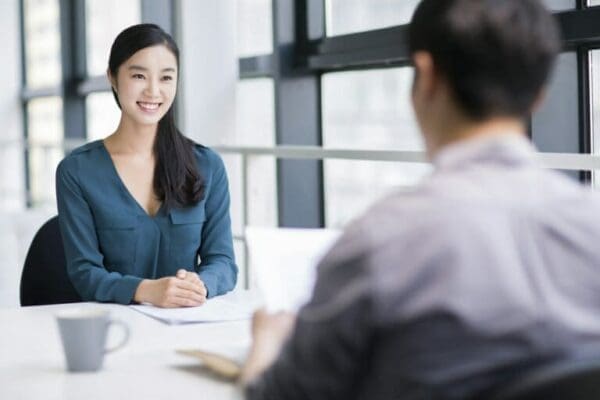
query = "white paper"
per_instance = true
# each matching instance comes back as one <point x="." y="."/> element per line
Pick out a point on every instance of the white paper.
<point x="283" y="263"/>
<point x="233" y="306"/>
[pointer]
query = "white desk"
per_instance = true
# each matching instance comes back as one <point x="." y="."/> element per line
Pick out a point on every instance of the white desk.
<point x="32" y="364"/>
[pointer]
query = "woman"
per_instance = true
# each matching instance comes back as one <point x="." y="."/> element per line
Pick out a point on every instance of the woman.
<point x="138" y="208"/>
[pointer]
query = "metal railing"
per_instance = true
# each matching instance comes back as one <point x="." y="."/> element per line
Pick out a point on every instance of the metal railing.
<point x="563" y="161"/>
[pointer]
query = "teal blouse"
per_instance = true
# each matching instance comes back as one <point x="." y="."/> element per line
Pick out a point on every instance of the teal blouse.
<point x="111" y="243"/>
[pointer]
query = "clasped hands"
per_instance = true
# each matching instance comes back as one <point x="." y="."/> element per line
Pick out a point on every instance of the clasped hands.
<point x="185" y="289"/>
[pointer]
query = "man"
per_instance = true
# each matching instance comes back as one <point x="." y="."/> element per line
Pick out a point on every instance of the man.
<point x="487" y="268"/>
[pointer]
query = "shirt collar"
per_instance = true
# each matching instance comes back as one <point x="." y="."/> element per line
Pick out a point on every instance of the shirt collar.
<point x="506" y="148"/>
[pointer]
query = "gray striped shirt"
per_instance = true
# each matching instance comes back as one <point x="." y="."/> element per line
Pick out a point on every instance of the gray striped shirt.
<point x="488" y="267"/>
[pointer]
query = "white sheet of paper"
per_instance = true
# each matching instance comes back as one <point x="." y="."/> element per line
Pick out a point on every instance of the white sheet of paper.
<point x="283" y="263"/>
<point x="232" y="306"/>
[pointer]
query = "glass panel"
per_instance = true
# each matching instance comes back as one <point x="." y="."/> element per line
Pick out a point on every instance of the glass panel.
<point x="352" y="186"/>
<point x="262" y="191"/>
<point x="556" y="123"/>
<point x="42" y="43"/>
<point x="595" y="100"/>
<point x="254" y="30"/>
<point x="105" y="19"/>
<point x="593" y="2"/>
<point x="559" y="5"/>
<point x="255" y="113"/>
<point x="255" y="126"/>
<point x="44" y="119"/>
<point x="374" y="113"/>
<point x="103" y="115"/>
<point x="349" y="16"/>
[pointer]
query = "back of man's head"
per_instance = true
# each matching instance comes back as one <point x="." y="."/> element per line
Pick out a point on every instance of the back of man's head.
<point x="496" y="55"/>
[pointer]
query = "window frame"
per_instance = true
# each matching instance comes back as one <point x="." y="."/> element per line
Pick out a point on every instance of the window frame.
<point x="76" y="84"/>
<point x="302" y="51"/>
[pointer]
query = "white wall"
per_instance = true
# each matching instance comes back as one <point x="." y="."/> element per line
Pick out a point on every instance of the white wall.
<point x="209" y="69"/>
<point x="12" y="177"/>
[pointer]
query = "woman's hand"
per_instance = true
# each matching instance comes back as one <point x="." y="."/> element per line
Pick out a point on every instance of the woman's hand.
<point x="269" y="333"/>
<point x="171" y="292"/>
<point x="193" y="278"/>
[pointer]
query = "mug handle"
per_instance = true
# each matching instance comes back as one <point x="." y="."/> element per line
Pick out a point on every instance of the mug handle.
<point x="125" y="329"/>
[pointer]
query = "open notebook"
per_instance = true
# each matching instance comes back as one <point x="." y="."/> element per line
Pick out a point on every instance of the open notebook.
<point x="283" y="265"/>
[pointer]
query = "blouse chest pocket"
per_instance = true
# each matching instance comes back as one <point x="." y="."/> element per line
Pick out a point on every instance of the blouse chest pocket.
<point x="117" y="238"/>
<point x="186" y="234"/>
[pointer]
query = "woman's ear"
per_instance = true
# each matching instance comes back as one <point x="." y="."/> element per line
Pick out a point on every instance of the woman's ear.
<point x="112" y="80"/>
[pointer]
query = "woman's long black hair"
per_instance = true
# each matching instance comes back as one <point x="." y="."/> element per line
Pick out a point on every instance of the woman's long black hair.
<point x="177" y="181"/>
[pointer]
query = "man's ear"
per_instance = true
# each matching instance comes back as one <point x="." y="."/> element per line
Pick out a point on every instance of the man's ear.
<point x="539" y="100"/>
<point x="425" y="76"/>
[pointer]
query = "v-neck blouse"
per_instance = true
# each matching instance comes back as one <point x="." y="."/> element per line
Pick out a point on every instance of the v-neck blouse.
<point x="122" y="184"/>
<point x="111" y="243"/>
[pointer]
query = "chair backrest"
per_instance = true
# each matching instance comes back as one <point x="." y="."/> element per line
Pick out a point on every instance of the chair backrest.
<point x="568" y="379"/>
<point x="44" y="279"/>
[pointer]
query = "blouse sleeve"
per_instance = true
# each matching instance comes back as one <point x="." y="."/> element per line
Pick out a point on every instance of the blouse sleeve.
<point x="84" y="259"/>
<point x="217" y="267"/>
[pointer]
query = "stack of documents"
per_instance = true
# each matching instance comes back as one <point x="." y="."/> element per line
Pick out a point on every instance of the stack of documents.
<point x="237" y="305"/>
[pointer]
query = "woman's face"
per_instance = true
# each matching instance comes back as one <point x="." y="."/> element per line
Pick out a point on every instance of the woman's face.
<point x="146" y="84"/>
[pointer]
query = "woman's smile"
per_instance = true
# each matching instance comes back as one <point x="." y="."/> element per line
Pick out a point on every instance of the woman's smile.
<point x="148" y="107"/>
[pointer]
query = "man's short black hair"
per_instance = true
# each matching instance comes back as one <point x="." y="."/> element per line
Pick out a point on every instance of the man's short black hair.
<point x="495" y="54"/>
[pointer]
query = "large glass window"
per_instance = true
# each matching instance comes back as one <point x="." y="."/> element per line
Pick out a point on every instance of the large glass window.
<point x="104" y="20"/>
<point x="349" y="16"/>
<point x="254" y="28"/>
<point x="594" y="2"/>
<point x="255" y="126"/>
<point x="557" y="120"/>
<point x="373" y="114"/>
<point x="42" y="43"/>
<point x="41" y="19"/>
<point x="44" y="122"/>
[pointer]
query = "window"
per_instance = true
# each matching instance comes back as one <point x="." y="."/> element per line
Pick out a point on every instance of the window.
<point x="44" y="112"/>
<point x="255" y="33"/>
<point x="42" y="43"/>
<point x="559" y="113"/>
<point x="44" y="121"/>
<point x="253" y="200"/>
<point x="349" y="16"/>
<point x="560" y="5"/>
<point x="374" y="114"/>
<point x="104" y="20"/>
<point x="255" y="126"/>
<point x="59" y="99"/>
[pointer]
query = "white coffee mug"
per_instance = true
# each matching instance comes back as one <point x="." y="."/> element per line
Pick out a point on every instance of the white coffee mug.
<point x="83" y="333"/>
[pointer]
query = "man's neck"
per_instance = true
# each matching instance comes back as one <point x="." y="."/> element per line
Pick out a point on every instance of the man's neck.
<point x="465" y="130"/>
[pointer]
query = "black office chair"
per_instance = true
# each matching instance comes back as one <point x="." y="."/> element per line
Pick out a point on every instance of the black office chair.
<point x="44" y="279"/>
<point x="563" y="380"/>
